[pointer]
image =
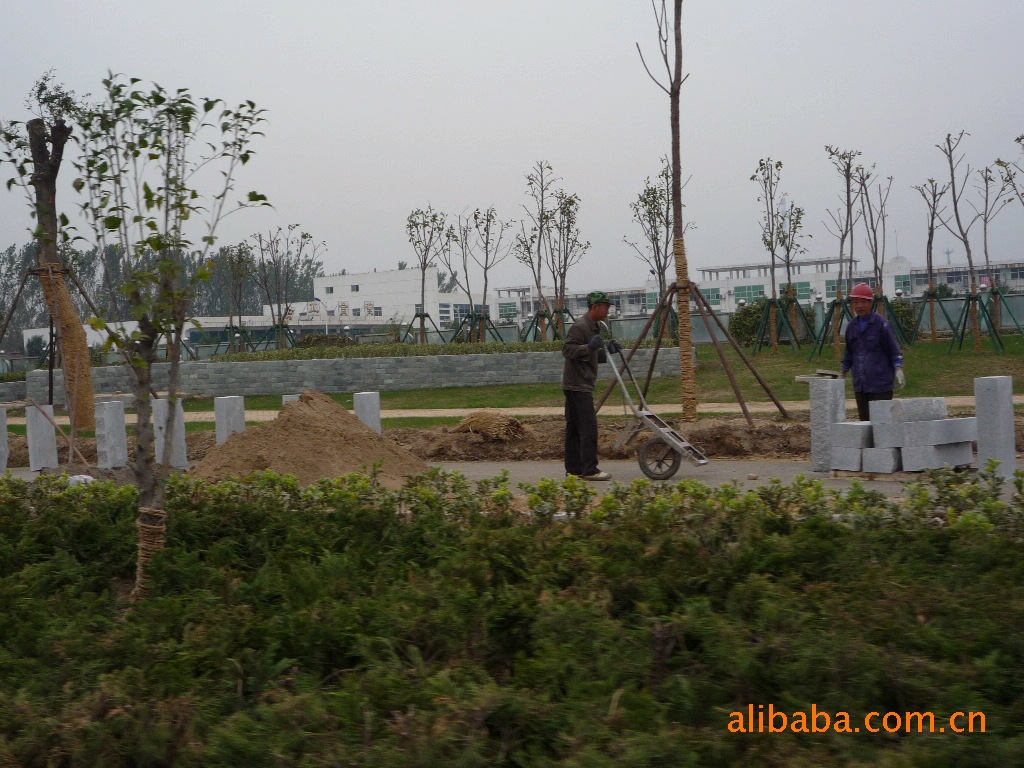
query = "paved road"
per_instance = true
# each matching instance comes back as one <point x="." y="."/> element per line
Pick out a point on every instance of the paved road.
<point x="746" y="473"/>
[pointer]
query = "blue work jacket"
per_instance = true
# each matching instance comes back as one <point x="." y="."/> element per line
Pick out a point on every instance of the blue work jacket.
<point x="872" y="354"/>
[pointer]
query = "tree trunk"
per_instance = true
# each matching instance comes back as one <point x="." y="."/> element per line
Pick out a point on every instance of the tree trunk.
<point x="687" y="376"/>
<point x="423" y="306"/>
<point x="837" y="320"/>
<point x="792" y="310"/>
<point x="975" y="328"/>
<point x="74" y="349"/>
<point x="995" y="311"/>
<point x="773" y="319"/>
<point x="931" y="310"/>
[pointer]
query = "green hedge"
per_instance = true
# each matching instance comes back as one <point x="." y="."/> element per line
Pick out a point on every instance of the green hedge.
<point x="12" y="376"/>
<point x="446" y="625"/>
<point x="390" y="350"/>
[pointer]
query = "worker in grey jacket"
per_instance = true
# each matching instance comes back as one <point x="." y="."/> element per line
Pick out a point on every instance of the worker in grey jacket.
<point x="583" y="350"/>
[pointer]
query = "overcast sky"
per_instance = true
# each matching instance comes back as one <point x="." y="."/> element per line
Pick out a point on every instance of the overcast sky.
<point x="378" y="107"/>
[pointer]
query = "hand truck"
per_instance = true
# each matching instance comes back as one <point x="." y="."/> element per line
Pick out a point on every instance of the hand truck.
<point x="659" y="456"/>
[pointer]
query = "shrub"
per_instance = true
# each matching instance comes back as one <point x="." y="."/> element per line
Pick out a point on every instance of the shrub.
<point x="444" y="624"/>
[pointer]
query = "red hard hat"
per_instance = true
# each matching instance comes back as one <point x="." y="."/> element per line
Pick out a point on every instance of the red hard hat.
<point x="861" y="291"/>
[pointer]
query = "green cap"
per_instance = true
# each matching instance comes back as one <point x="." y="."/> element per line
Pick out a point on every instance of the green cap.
<point x="597" y="297"/>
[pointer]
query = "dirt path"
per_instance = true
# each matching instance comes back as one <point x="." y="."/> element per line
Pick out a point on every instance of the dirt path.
<point x="610" y="409"/>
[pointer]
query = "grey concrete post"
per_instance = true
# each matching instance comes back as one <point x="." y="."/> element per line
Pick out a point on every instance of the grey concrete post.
<point x="42" y="437"/>
<point x="993" y="408"/>
<point x="230" y="415"/>
<point x="828" y="406"/>
<point x="111" y="435"/>
<point x="367" y="408"/>
<point x="178" y="454"/>
<point x="288" y="399"/>
<point x="4" y="447"/>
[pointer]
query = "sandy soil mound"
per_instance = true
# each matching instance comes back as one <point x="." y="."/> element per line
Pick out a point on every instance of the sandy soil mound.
<point x="313" y="437"/>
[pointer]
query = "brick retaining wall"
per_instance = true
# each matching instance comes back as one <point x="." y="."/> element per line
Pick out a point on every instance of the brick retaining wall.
<point x="381" y="374"/>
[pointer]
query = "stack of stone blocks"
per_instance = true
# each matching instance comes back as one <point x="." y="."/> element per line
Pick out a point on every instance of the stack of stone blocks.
<point x="912" y="434"/>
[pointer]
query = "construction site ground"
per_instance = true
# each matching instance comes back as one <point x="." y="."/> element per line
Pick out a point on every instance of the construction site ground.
<point x="324" y="440"/>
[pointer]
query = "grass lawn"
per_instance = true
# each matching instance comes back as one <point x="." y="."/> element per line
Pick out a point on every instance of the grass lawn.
<point x="931" y="372"/>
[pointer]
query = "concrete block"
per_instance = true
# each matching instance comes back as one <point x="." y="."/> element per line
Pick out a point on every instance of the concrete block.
<point x="880" y="411"/>
<point x="993" y="408"/>
<point x="828" y="406"/>
<point x="4" y="446"/>
<point x="160" y="423"/>
<point x="111" y="435"/>
<point x="288" y="399"/>
<point x="881" y="460"/>
<point x="940" y="432"/>
<point x="908" y="409"/>
<point x="848" y="459"/>
<point x="919" y="458"/>
<point x="229" y="413"/>
<point x="888" y="435"/>
<point x="367" y="409"/>
<point x="42" y="437"/>
<point x="851" y="434"/>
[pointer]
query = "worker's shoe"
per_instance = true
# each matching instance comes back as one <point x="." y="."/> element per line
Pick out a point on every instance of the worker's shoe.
<point x="598" y="475"/>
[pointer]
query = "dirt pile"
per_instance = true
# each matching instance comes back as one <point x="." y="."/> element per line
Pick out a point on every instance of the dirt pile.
<point x="543" y="439"/>
<point x="313" y="437"/>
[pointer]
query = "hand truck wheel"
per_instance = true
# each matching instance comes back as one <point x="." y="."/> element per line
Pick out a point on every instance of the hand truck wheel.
<point x="658" y="460"/>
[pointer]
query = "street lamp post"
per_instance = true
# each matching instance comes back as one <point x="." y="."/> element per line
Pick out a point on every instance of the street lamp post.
<point x="324" y="308"/>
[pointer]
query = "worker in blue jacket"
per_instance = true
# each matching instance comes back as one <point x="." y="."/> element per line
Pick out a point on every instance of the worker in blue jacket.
<point x="872" y="353"/>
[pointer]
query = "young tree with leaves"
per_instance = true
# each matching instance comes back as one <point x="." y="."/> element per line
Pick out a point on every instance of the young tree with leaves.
<point x="950" y="149"/>
<point x="532" y="241"/>
<point x="146" y="154"/>
<point x="767" y="177"/>
<point x="790" y="236"/>
<point x="843" y="220"/>
<point x="41" y="146"/>
<point x="652" y="212"/>
<point x="932" y="193"/>
<point x="428" y="233"/>
<point x="565" y="247"/>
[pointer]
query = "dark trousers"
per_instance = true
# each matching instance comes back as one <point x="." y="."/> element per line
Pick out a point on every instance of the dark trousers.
<point x="580" y="433"/>
<point x="863" y="398"/>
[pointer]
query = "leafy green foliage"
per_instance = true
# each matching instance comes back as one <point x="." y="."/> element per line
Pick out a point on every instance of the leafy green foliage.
<point x="744" y="321"/>
<point x="906" y="314"/>
<point x="393" y="350"/>
<point x="445" y="625"/>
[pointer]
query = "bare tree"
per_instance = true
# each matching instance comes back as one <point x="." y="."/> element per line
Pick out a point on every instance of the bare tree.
<point x="237" y="264"/>
<point x="767" y="178"/>
<point x="670" y="48"/>
<point x="652" y="211"/>
<point x="532" y="240"/>
<point x="932" y="195"/>
<point x="429" y="234"/>
<point x="950" y="149"/>
<point x="995" y="194"/>
<point x="280" y="257"/>
<point x="456" y="250"/>
<point x="874" y="216"/>
<point x="565" y="247"/>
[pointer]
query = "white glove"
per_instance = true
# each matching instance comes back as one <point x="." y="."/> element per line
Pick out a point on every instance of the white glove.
<point x="901" y="379"/>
